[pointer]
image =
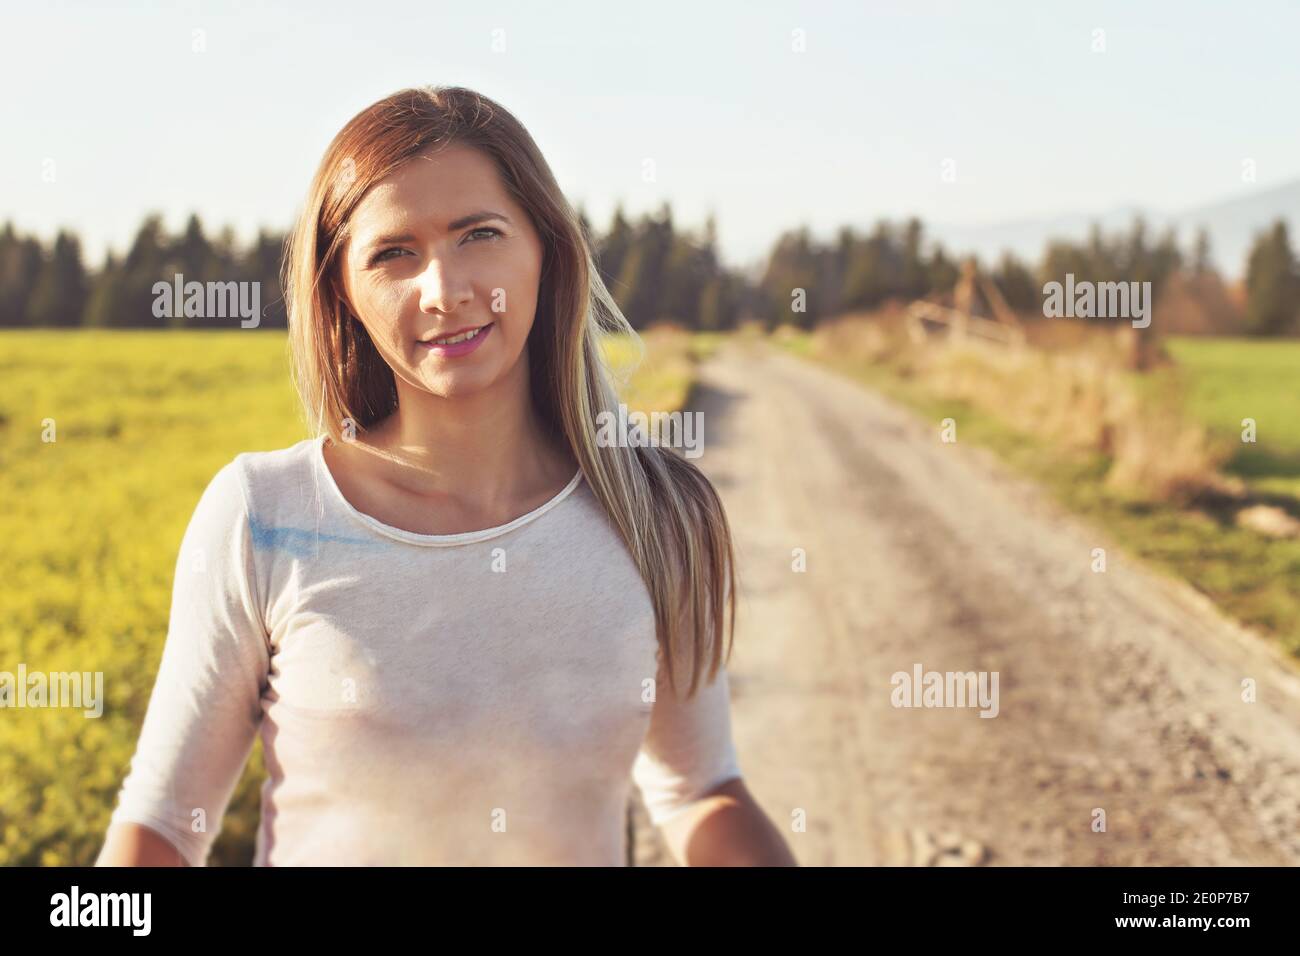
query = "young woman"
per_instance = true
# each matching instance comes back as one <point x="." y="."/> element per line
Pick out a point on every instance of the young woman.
<point x="462" y="626"/>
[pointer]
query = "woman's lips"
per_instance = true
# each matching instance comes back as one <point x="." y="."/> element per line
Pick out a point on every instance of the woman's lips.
<point x="460" y="348"/>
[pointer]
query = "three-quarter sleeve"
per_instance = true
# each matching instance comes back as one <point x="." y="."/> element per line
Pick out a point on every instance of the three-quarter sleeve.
<point x="688" y="749"/>
<point x="205" y="707"/>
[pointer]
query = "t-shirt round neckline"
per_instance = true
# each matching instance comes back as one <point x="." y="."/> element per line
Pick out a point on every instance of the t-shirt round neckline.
<point x="429" y="540"/>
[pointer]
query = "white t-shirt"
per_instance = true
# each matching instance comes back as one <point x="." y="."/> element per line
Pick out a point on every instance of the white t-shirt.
<point x="471" y="699"/>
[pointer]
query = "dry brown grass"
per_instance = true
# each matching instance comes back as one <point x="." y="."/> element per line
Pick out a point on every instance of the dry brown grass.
<point x="1072" y="389"/>
<point x="1200" y="305"/>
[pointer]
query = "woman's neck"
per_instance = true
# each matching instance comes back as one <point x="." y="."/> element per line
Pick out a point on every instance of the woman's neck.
<point x="490" y="448"/>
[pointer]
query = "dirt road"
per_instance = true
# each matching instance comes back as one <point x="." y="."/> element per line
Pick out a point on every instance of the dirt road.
<point x="1118" y="691"/>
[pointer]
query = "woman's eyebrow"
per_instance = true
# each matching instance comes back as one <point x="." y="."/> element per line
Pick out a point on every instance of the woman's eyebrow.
<point x="474" y="217"/>
<point x="452" y="226"/>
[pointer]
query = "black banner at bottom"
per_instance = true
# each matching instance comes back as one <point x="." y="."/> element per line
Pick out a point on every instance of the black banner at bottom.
<point x="330" y="905"/>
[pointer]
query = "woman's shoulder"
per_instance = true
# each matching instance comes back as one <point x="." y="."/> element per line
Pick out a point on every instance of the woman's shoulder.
<point x="290" y="463"/>
<point x="253" y="478"/>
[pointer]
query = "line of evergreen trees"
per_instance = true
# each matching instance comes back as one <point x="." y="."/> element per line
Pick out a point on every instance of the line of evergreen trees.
<point x="893" y="262"/>
<point x="655" y="272"/>
<point x="52" y="288"/>
<point x="810" y="281"/>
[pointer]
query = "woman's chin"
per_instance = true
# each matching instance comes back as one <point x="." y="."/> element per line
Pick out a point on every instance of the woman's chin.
<point x="456" y="383"/>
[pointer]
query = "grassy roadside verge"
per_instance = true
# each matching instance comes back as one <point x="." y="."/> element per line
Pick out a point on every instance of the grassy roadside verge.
<point x="1251" y="577"/>
<point x="665" y="380"/>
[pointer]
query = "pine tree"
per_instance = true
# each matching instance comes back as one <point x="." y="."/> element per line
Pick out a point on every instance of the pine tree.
<point x="267" y="258"/>
<point x="1272" y="283"/>
<point x="59" y="298"/>
<point x="1017" y="285"/>
<point x="1201" y="255"/>
<point x="146" y="264"/>
<point x="107" y="302"/>
<point x="20" y="264"/>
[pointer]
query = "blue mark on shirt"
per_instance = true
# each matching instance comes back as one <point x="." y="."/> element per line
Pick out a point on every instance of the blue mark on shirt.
<point x="299" y="542"/>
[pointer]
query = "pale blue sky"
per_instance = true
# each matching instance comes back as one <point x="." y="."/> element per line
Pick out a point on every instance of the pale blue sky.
<point x="855" y="128"/>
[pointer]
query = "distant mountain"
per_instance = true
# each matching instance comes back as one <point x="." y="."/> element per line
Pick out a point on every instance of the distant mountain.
<point x="1231" y="223"/>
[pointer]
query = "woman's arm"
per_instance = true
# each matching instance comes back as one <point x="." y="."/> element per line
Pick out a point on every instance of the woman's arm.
<point x="132" y="844"/>
<point x="204" y="711"/>
<point x="726" y="827"/>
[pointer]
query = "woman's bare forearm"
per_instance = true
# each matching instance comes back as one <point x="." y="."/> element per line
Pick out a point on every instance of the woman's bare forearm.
<point x="132" y="844"/>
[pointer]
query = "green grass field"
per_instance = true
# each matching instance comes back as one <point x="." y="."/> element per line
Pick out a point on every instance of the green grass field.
<point x="92" y="524"/>
<point x="1223" y="381"/>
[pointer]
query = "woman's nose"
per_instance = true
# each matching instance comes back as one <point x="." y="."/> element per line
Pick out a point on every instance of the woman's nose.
<point x="443" y="289"/>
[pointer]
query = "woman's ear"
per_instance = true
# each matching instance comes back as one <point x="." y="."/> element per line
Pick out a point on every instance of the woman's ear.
<point x="337" y="288"/>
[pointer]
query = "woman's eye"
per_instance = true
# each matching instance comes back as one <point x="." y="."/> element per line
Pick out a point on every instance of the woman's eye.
<point x="383" y="254"/>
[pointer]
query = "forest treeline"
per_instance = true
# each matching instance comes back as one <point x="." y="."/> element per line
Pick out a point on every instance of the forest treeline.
<point x="655" y="271"/>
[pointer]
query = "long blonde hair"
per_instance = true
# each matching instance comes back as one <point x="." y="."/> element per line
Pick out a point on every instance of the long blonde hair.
<point x="666" y="511"/>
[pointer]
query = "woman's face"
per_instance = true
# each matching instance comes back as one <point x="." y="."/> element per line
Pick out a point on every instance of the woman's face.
<point x="436" y="250"/>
